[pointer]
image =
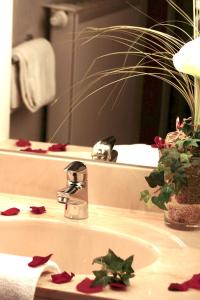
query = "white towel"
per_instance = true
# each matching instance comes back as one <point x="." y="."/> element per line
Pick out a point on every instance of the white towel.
<point x="137" y="154"/>
<point x="36" y="72"/>
<point x="18" y="281"/>
<point x="187" y="60"/>
<point x="16" y="99"/>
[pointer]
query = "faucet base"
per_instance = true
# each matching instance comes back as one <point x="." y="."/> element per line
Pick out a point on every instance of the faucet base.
<point x="76" y="209"/>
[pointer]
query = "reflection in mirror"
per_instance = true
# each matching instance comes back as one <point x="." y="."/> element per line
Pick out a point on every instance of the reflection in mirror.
<point x="5" y="54"/>
<point x="132" y="110"/>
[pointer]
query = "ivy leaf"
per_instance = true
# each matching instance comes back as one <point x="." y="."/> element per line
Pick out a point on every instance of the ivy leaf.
<point x="109" y="260"/>
<point x="163" y="197"/>
<point x="175" y="164"/>
<point x="156" y="178"/>
<point x="185" y="157"/>
<point x="114" y="269"/>
<point x="187" y="143"/>
<point x="101" y="278"/>
<point x="145" y="196"/>
<point x="127" y="265"/>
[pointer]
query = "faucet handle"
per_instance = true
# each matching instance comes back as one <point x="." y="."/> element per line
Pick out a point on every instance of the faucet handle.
<point x="76" y="172"/>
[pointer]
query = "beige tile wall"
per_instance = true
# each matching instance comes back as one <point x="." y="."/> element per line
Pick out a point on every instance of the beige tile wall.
<point x="41" y="176"/>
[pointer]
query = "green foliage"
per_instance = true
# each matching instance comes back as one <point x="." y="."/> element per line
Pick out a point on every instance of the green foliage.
<point x="156" y="178"/>
<point x="169" y="177"/>
<point x="114" y="269"/>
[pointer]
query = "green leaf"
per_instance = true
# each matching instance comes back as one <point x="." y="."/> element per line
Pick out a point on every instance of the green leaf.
<point x="187" y="143"/>
<point x="163" y="197"/>
<point x="175" y="164"/>
<point x="101" y="278"/>
<point x="114" y="269"/>
<point x="185" y="157"/>
<point x="127" y="265"/>
<point x="145" y="196"/>
<point x="110" y="260"/>
<point x="156" y="178"/>
<point x="125" y="278"/>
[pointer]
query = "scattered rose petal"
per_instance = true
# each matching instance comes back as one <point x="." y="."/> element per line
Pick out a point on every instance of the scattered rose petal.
<point x="29" y="149"/>
<point x="23" y="143"/>
<point x="159" y="143"/>
<point x="57" y="147"/>
<point x="38" y="210"/>
<point x="63" y="277"/>
<point x="11" y="211"/>
<point x="194" y="282"/>
<point x="85" y="286"/>
<point x="118" y="286"/>
<point x="39" y="260"/>
<point x="178" y="287"/>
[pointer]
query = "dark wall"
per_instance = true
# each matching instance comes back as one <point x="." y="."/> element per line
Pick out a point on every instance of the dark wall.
<point x="155" y="90"/>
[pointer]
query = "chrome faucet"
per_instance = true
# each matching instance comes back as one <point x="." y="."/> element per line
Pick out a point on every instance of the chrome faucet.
<point x="103" y="150"/>
<point x="75" y="194"/>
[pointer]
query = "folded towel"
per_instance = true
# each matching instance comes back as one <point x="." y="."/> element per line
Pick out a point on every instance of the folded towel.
<point x="15" y="93"/>
<point x="137" y="154"/>
<point x="18" y="281"/>
<point x="186" y="60"/>
<point x="36" y="61"/>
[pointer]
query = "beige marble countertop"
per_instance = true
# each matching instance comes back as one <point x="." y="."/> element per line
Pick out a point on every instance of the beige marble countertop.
<point x="178" y="251"/>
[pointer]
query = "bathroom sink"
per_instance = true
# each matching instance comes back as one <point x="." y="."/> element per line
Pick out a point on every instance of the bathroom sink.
<point x="74" y="245"/>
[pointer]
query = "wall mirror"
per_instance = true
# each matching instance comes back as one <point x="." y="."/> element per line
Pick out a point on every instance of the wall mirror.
<point x="134" y="110"/>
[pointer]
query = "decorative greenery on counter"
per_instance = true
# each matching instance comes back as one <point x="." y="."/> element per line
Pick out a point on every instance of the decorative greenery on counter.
<point x="170" y="177"/>
<point x="115" y="271"/>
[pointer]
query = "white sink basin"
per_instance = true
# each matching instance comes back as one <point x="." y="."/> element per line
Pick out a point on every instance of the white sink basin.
<point x="74" y="246"/>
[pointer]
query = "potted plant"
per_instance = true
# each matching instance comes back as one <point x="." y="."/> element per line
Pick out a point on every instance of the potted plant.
<point x="176" y="179"/>
<point x="175" y="182"/>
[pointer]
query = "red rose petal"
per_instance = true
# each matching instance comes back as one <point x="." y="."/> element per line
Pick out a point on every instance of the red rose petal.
<point x="118" y="286"/>
<point x="11" y="211"/>
<point x="38" y="210"/>
<point x="39" y="260"/>
<point x="178" y="287"/>
<point x="85" y="287"/>
<point x="29" y="149"/>
<point x="23" y="143"/>
<point x="194" y="282"/>
<point x="63" y="277"/>
<point x="57" y="147"/>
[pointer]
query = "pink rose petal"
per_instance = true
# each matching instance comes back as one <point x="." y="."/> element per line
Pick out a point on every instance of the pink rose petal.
<point x="178" y="287"/>
<point x="38" y="210"/>
<point x="29" y="149"/>
<point x="63" y="277"/>
<point x="85" y="286"/>
<point x="39" y="260"/>
<point x="118" y="286"/>
<point x="23" y="143"/>
<point x="57" y="147"/>
<point x="11" y="211"/>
